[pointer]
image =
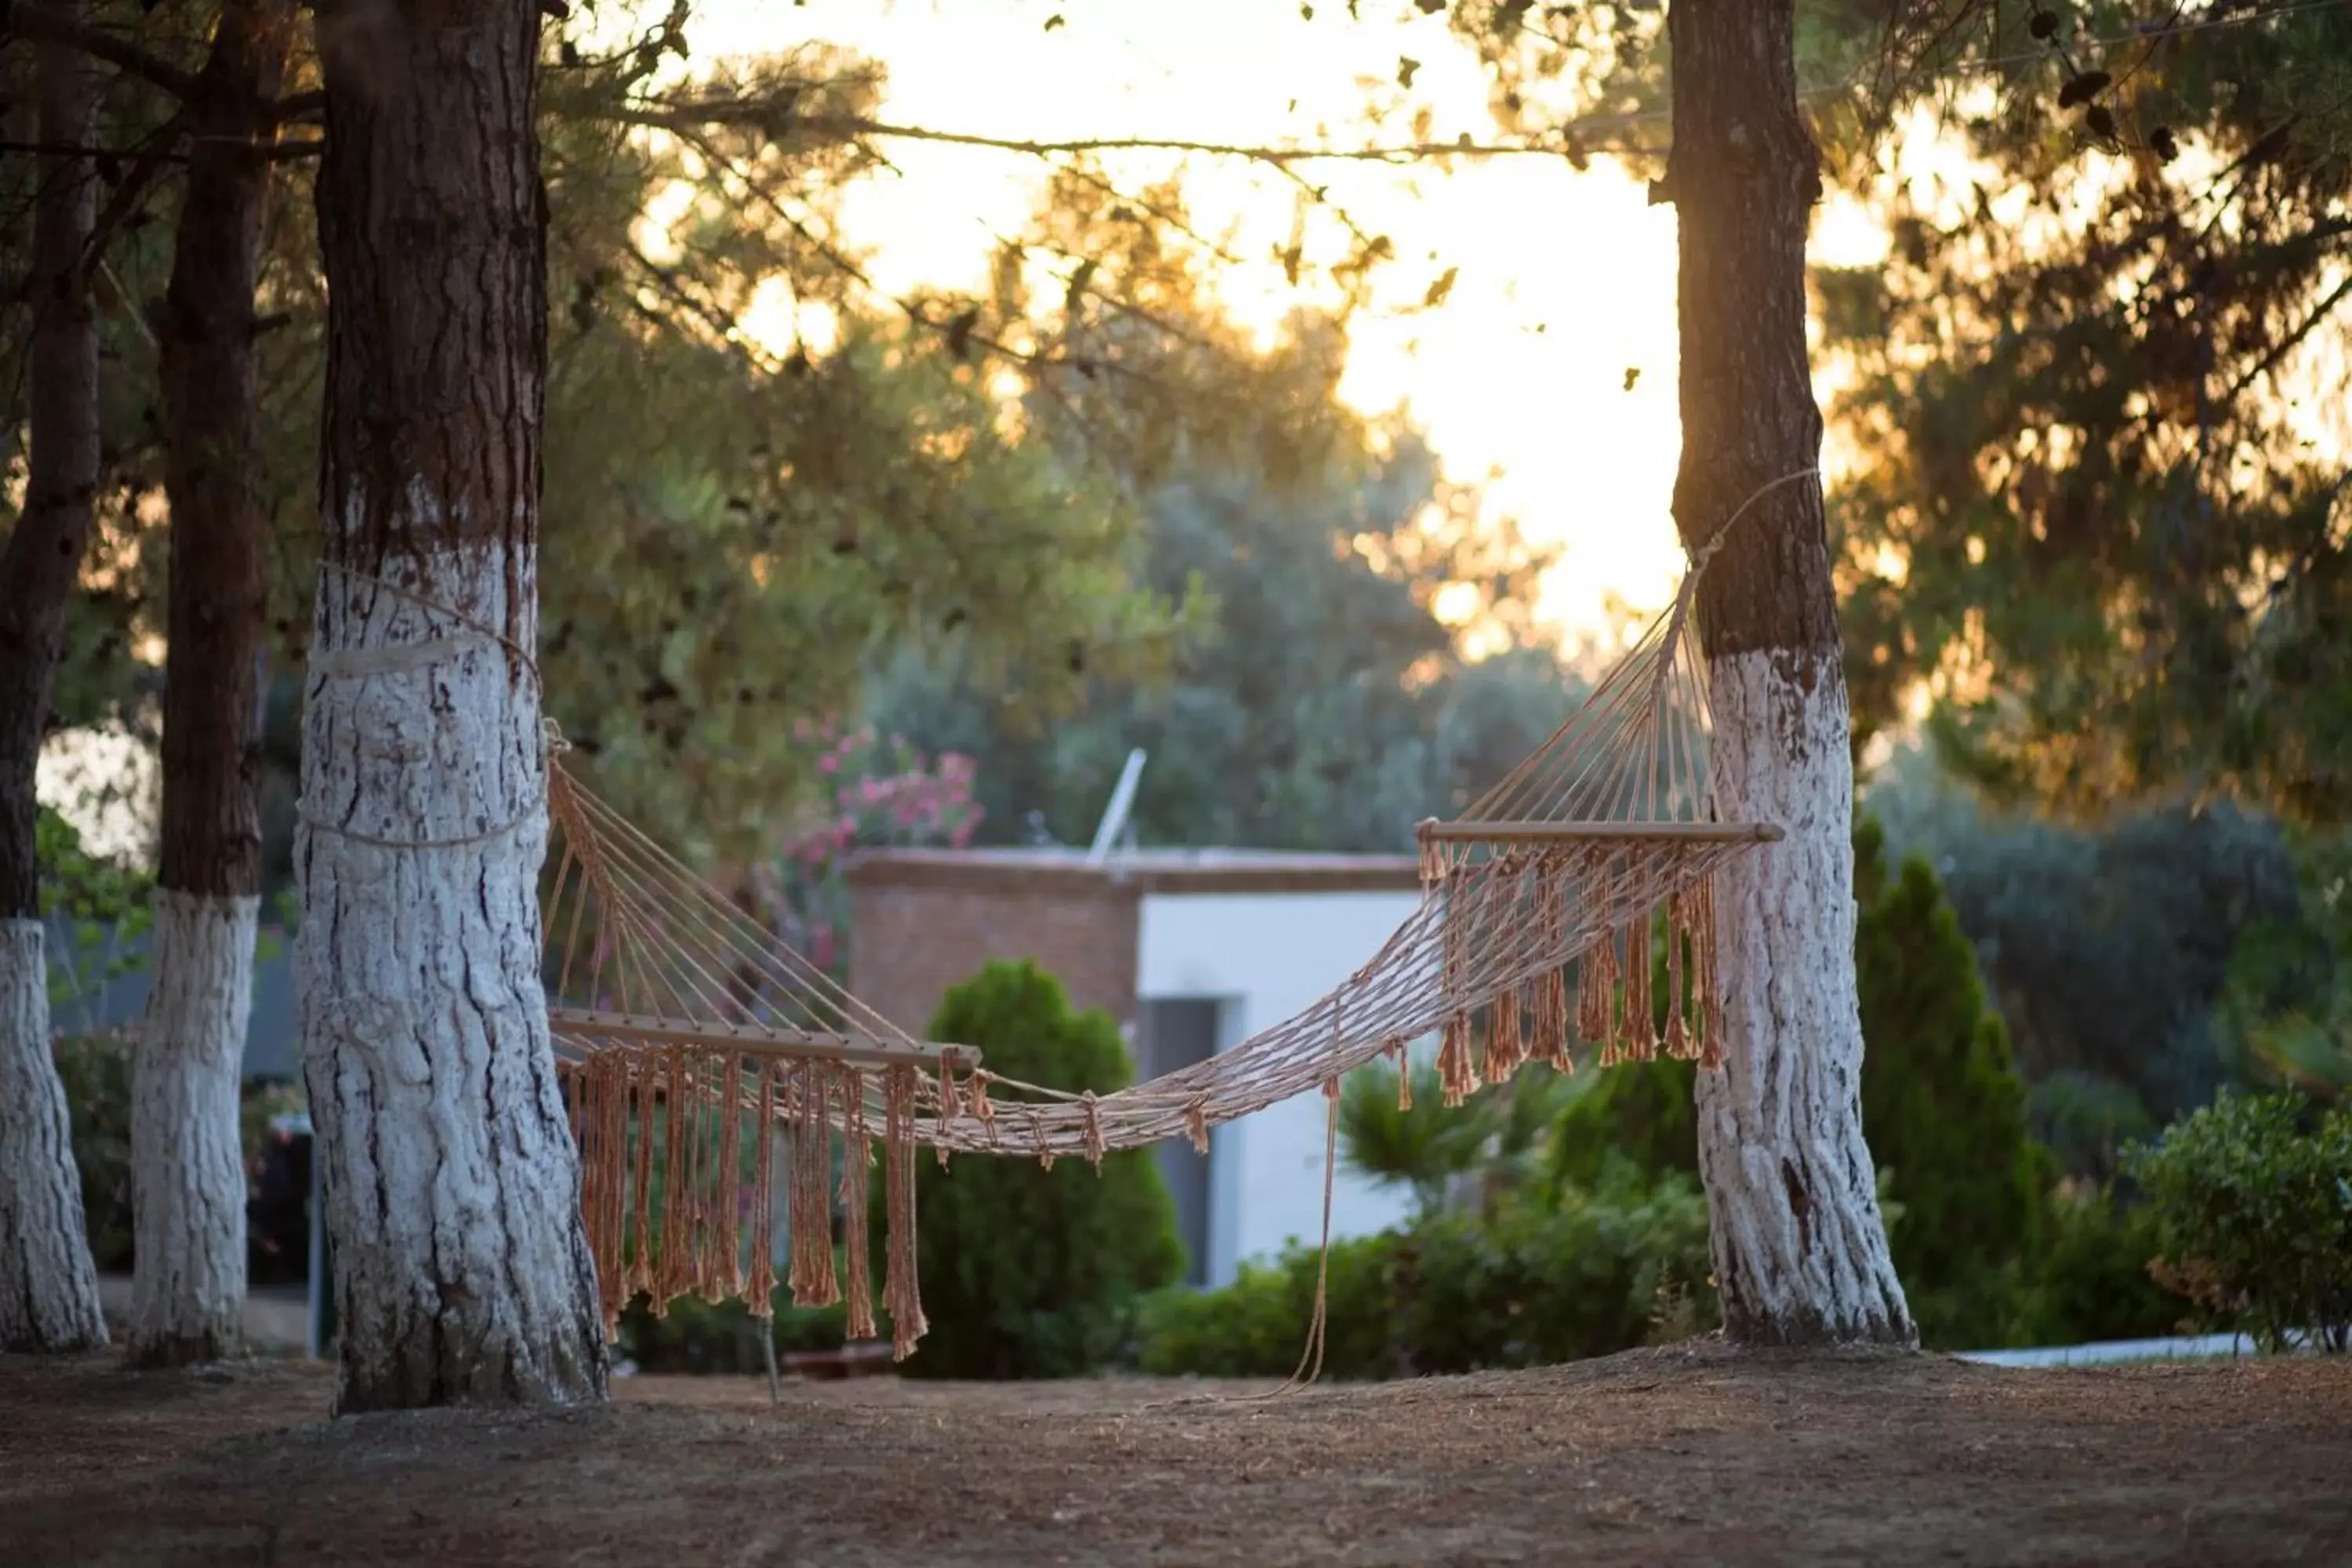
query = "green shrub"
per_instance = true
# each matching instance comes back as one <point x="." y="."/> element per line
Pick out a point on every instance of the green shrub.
<point x="2254" y="1196"/>
<point x="2086" y="1120"/>
<point x="1942" y="1106"/>
<point x="1256" y="1326"/>
<point x="95" y="1070"/>
<point x="696" y="1336"/>
<point x="2088" y="1280"/>
<point x="1028" y="1272"/>
<point x="1641" y="1112"/>
<point x="1497" y="1133"/>
<point x="1534" y="1285"/>
<point x="1418" y="1146"/>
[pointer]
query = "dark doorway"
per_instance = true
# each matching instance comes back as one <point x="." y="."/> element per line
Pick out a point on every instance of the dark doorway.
<point x="1176" y="1032"/>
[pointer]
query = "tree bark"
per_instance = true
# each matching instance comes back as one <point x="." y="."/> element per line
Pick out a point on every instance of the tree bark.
<point x="187" y="1175"/>
<point x="1799" y="1246"/>
<point x="49" y="1287"/>
<point x="462" y="1272"/>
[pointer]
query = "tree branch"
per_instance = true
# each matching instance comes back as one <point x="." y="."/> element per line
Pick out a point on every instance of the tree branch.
<point x="161" y="148"/>
<point x="2288" y="343"/>
<point x="39" y="25"/>
<point x="769" y="116"/>
<point x="298" y="106"/>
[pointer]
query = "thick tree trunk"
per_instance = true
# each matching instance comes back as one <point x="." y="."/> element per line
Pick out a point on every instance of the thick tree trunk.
<point x="462" y="1270"/>
<point x="48" y="1288"/>
<point x="1799" y="1246"/>
<point x="187" y="1172"/>
<point x="187" y="1179"/>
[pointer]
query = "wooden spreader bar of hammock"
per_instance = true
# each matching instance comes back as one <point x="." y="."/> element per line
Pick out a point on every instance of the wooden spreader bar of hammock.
<point x="1602" y="832"/>
<point x="758" y="1039"/>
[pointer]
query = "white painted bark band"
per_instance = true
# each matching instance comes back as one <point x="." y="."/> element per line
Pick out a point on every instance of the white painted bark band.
<point x="49" y="1287"/>
<point x="462" y="1271"/>
<point x="1799" y="1246"/>
<point x="187" y="1171"/>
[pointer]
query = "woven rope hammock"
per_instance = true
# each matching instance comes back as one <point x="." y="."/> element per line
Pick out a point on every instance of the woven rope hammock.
<point x="683" y="1028"/>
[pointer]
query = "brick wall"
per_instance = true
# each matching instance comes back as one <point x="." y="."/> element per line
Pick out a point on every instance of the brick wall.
<point x="912" y="939"/>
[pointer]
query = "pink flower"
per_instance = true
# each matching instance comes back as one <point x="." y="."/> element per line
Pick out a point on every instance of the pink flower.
<point x="962" y="837"/>
<point x="827" y="763"/>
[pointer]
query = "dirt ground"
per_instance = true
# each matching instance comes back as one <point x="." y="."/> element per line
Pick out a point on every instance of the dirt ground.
<point x="1687" y="1455"/>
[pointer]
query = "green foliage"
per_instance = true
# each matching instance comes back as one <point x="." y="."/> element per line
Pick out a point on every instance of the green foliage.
<point x="2253" y="1194"/>
<point x="97" y="910"/>
<point x="2079" y="403"/>
<point x="1496" y="1131"/>
<point x="2087" y="1279"/>
<point x="1419" y="1146"/>
<point x="1536" y="1284"/>
<point x="1324" y="706"/>
<point x="1942" y="1103"/>
<point x="2087" y="1120"/>
<point x="2286" y="1015"/>
<point x="1942" y="1106"/>
<point x="1643" y="1113"/>
<point x="2110" y="950"/>
<point x="695" y="1336"/>
<point x="739" y="524"/>
<point x="1029" y="1272"/>
<point x="95" y="1068"/>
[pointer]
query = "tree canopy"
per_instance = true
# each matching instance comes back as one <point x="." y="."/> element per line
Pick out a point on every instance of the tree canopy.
<point x="2097" y="488"/>
<point x="739" y="525"/>
<point x="1326" y="704"/>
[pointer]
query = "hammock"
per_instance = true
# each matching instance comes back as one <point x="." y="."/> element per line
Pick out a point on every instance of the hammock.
<point x="684" y="1030"/>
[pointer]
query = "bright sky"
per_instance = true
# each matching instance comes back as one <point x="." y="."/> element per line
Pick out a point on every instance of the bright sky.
<point x="1566" y="279"/>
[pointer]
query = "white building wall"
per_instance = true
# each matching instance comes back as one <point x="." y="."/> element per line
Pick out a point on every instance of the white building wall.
<point x="1267" y="957"/>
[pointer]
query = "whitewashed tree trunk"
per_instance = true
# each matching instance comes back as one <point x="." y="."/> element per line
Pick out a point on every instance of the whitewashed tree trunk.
<point x="187" y="1182"/>
<point x="1799" y="1246"/>
<point x="187" y="1168"/>
<point x="48" y="1291"/>
<point x="49" y="1287"/>
<point x="462" y="1270"/>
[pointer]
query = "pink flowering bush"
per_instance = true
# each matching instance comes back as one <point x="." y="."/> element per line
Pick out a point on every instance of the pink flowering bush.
<point x="881" y="793"/>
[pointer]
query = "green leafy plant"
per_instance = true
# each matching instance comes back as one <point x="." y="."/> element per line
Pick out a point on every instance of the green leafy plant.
<point x="2254" y="1196"/>
<point x="1942" y="1102"/>
<point x="1533" y="1284"/>
<point x="97" y="910"/>
<point x="2088" y="1278"/>
<point x="1029" y="1272"/>
<point x="1425" y="1144"/>
<point x="95" y="1068"/>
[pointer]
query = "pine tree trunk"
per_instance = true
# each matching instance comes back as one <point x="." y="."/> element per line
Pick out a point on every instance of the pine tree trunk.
<point x="187" y="1178"/>
<point x="462" y="1273"/>
<point x="1799" y="1246"/>
<point x="187" y="1170"/>
<point x="48" y="1288"/>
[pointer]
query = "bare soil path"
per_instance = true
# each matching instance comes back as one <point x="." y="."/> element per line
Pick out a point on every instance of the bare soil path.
<point x="1682" y="1455"/>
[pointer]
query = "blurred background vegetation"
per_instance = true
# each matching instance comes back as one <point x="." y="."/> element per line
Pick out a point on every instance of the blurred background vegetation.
<point x="923" y="565"/>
